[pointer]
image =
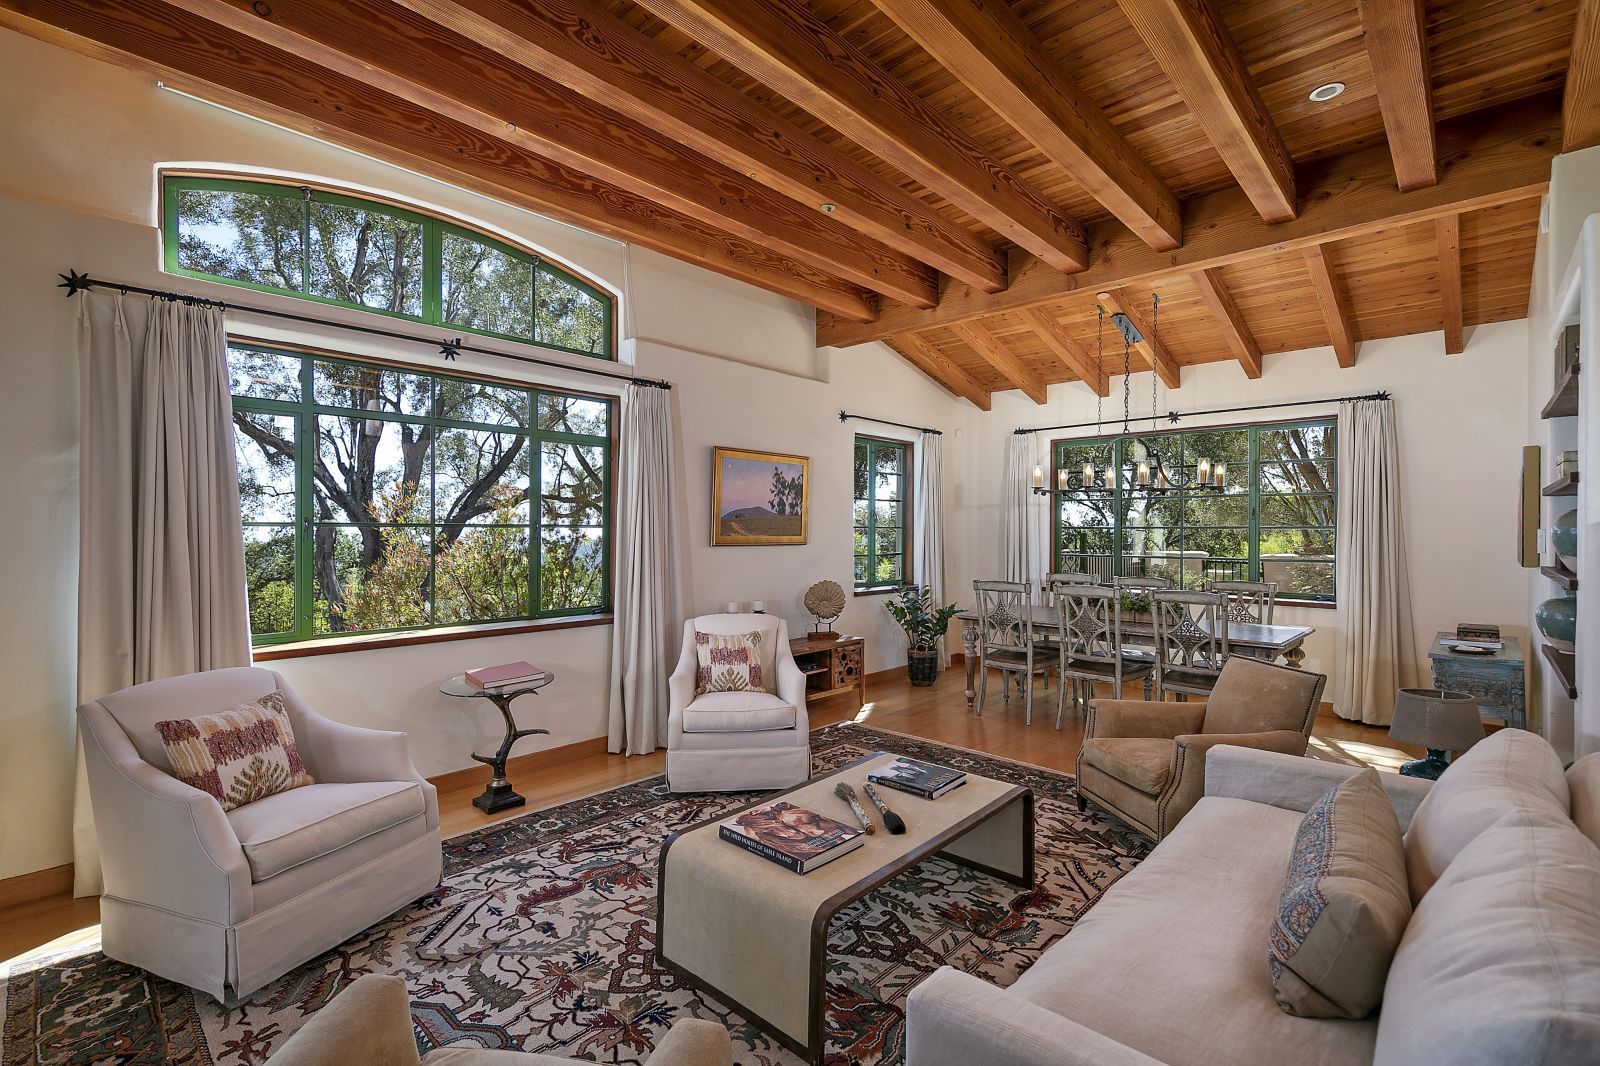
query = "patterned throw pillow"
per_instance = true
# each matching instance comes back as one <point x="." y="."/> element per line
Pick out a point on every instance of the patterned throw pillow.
<point x="239" y="755"/>
<point x="729" y="662"/>
<point x="1344" y="906"/>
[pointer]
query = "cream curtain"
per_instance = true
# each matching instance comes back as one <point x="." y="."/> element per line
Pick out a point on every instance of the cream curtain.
<point x="1018" y="535"/>
<point x="161" y="585"/>
<point x="1378" y="647"/>
<point x="647" y="601"/>
<point x="927" y="492"/>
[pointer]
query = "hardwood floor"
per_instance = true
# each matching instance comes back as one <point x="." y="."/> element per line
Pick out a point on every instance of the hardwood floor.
<point x="939" y="713"/>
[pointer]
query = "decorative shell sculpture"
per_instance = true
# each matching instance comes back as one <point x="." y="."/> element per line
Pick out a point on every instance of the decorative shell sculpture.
<point x="825" y="601"/>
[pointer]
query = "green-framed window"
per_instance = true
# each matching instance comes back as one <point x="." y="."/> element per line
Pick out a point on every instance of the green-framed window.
<point x="1273" y="521"/>
<point x="882" y="513"/>
<point x="342" y="250"/>
<point x="380" y="498"/>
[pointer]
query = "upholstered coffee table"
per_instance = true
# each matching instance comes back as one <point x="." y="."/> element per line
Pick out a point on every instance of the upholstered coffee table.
<point x="755" y="935"/>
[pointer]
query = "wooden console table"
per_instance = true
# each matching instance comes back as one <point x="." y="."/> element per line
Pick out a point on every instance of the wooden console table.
<point x="832" y="665"/>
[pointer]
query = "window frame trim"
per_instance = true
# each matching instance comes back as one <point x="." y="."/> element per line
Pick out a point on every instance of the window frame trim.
<point x="1253" y="529"/>
<point x="306" y="409"/>
<point x="906" y="516"/>
<point x="433" y="228"/>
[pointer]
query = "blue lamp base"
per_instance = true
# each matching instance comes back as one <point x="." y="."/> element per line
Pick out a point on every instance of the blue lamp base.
<point x="1430" y="768"/>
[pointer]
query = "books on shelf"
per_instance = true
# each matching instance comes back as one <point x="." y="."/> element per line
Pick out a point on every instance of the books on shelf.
<point x="918" y="778"/>
<point x="504" y="675"/>
<point x="793" y="837"/>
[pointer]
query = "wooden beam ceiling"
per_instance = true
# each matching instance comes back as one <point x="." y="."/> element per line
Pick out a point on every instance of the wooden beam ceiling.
<point x="1491" y="158"/>
<point x="933" y="362"/>
<point x="395" y="50"/>
<point x="1196" y="51"/>
<point x="1331" y="301"/>
<point x="1225" y="313"/>
<point x="1580" y="109"/>
<point x="1082" y="364"/>
<point x="579" y="45"/>
<point x="1448" y="230"/>
<point x="212" y="62"/>
<point x="795" y="53"/>
<point x="989" y="48"/>
<point x="1156" y="356"/>
<point x="993" y="351"/>
<point x="1395" y="32"/>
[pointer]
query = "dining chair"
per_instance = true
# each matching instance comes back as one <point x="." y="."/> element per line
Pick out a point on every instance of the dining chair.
<point x="1068" y="577"/>
<point x="1191" y="641"/>
<point x="1007" y="641"/>
<point x="1248" y="601"/>
<point x="1142" y="583"/>
<point x="1089" y="631"/>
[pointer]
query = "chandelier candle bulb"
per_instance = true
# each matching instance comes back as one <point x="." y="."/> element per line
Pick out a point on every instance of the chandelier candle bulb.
<point x="1143" y="474"/>
<point x="1038" y="476"/>
<point x="1088" y="475"/>
<point x="1203" y="471"/>
<point x="1222" y="474"/>
<point x="1061" y="479"/>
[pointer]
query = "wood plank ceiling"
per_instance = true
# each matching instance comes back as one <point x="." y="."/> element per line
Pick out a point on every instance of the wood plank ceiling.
<point x="967" y="180"/>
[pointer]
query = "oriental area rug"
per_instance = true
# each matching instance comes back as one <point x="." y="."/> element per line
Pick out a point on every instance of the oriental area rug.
<point x="540" y="938"/>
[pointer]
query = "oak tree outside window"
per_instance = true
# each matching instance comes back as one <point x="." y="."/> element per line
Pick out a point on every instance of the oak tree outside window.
<point x="360" y="253"/>
<point x="882" y="521"/>
<point x="376" y="497"/>
<point x="1274" y="521"/>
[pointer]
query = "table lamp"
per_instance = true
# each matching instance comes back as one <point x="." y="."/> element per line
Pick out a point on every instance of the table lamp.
<point x="1440" y="721"/>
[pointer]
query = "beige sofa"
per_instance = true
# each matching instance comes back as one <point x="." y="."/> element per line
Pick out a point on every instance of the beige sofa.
<point x="227" y="901"/>
<point x="1500" y="963"/>
<point x="370" y="1023"/>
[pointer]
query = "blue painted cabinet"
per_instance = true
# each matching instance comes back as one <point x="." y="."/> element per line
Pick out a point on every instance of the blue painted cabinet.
<point x="1497" y="679"/>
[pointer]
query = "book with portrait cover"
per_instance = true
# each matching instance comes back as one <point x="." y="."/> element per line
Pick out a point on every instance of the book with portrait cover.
<point x="918" y="778"/>
<point x="793" y="837"/>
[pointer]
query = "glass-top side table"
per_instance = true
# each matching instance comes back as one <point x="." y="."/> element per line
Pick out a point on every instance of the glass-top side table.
<point x="498" y="795"/>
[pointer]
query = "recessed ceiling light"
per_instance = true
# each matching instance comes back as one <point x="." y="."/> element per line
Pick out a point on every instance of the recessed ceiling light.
<point x="1323" y="93"/>
<point x="827" y="209"/>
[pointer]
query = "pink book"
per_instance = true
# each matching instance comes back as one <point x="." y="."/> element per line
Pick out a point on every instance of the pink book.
<point x="502" y="675"/>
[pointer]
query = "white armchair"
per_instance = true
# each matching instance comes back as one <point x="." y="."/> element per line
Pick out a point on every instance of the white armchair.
<point x="228" y="901"/>
<point x="738" y="741"/>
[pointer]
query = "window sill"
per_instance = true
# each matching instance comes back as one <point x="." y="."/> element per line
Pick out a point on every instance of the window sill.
<point x="1316" y="605"/>
<point x="267" y="653"/>
<point x="884" y="590"/>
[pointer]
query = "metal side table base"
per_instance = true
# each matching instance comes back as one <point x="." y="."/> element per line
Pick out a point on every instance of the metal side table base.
<point x="498" y="795"/>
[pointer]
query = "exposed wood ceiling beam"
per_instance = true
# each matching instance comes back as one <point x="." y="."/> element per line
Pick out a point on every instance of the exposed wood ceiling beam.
<point x="1193" y="46"/>
<point x="399" y="52"/>
<point x="993" y="52"/>
<point x="1580" y="109"/>
<point x="215" y="63"/>
<point x="794" y="53"/>
<point x="936" y="365"/>
<point x="996" y="354"/>
<point x="1395" y="32"/>
<point x="1448" y="230"/>
<point x="1070" y="352"/>
<point x="1225" y="313"/>
<point x="1156" y="356"/>
<point x="1491" y="158"/>
<point x="1331" y="301"/>
<point x="579" y="45"/>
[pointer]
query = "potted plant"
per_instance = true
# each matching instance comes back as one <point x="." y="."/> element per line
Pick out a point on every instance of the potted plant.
<point x="924" y="624"/>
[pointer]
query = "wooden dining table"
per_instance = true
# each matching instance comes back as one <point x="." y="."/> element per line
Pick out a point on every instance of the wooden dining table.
<point x="1244" y="638"/>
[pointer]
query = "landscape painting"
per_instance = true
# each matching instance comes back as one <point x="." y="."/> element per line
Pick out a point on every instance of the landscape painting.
<point x="758" y="497"/>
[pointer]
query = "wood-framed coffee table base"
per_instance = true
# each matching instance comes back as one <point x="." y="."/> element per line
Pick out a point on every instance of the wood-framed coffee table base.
<point x="991" y="832"/>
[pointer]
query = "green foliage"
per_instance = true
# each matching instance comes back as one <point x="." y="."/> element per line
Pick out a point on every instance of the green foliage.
<point x="923" y="623"/>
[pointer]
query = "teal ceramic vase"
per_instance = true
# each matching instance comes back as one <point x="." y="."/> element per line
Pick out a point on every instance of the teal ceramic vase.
<point x="1558" y="620"/>
<point x="1564" y="538"/>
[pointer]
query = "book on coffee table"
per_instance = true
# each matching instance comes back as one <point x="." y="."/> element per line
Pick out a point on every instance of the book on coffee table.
<point x="793" y="837"/>
<point x="918" y="778"/>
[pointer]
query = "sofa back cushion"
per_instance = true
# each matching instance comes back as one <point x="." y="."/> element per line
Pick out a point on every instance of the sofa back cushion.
<point x="1510" y="771"/>
<point x="1583" y="782"/>
<point x="1252" y="696"/>
<point x="1498" y="965"/>
<point x="139" y="708"/>
<point x="1344" y="904"/>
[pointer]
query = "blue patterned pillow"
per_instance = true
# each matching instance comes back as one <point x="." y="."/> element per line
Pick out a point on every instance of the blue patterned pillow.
<point x="1344" y="905"/>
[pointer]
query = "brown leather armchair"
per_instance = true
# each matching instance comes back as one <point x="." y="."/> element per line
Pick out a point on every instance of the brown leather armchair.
<point x="1144" y="761"/>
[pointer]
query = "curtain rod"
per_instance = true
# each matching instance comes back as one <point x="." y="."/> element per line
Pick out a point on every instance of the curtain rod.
<point x="75" y="283"/>
<point x="1174" y="416"/>
<point x="843" y="415"/>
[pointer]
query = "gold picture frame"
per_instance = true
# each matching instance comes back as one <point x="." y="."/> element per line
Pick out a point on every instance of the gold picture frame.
<point x="759" y="498"/>
<point x="1528" y="499"/>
